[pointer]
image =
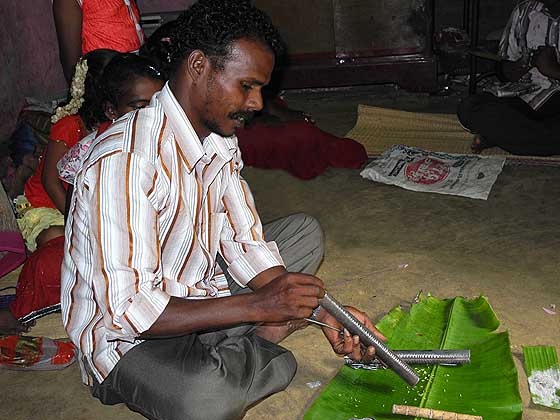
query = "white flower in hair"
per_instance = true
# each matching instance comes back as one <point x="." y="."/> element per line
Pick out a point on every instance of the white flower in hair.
<point x="77" y="90"/>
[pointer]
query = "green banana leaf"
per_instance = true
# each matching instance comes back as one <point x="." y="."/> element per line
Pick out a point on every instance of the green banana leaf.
<point x="543" y="373"/>
<point x="486" y="387"/>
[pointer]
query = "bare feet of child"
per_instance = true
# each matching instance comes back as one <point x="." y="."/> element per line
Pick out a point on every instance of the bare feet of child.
<point x="10" y="325"/>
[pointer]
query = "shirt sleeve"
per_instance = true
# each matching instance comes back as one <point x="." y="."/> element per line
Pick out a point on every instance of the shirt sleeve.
<point x="69" y="130"/>
<point x="512" y="38"/>
<point x="69" y="165"/>
<point x="242" y="241"/>
<point x="123" y="225"/>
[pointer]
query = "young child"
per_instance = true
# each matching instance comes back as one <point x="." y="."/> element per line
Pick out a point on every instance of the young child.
<point x="40" y="217"/>
<point x="128" y="84"/>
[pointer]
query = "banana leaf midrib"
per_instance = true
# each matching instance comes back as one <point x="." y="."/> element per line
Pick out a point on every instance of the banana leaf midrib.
<point x="428" y="386"/>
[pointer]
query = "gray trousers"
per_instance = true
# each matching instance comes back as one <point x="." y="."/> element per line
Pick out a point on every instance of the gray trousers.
<point x="219" y="374"/>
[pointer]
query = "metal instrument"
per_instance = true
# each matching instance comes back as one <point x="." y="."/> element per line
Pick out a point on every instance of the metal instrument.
<point x="418" y="357"/>
<point x="382" y="352"/>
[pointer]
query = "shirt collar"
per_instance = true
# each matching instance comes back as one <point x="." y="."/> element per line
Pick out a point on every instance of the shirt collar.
<point x="190" y="147"/>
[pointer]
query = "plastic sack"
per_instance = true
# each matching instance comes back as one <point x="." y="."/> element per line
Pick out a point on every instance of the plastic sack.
<point x="444" y="173"/>
<point x="18" y="352"/>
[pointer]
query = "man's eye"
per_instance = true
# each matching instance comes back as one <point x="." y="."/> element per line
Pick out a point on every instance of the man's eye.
<point x="246" y="86"/>
<point x="138" y="105"/>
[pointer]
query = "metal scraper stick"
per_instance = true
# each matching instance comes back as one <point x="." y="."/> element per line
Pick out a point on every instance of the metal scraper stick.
<point x="418" y="357"/>
<point x="355" y="327"/>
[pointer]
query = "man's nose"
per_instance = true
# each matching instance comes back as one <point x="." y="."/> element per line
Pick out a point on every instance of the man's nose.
<point x="255" y="100"/>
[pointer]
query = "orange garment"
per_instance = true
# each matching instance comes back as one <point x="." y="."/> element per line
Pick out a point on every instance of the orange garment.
<point x="113" y="24"/>
<point x="69" y="130"/>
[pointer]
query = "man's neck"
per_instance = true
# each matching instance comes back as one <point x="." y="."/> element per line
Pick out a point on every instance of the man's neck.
<point x="185" y="101"/>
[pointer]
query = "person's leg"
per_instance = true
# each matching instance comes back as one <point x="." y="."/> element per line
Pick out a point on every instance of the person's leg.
<point x="550" y="109"/>
<point x="509" y="123"/>
<point x="38" y="284"/>
<point x="215" y="375"/>
<point x="9" y="324"/>
<point x="300" y="241"/>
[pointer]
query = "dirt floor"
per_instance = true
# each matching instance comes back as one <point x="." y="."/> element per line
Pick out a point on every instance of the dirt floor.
<point x="383" y="245"/>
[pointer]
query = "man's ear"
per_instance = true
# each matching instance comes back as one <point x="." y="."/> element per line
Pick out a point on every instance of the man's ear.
<point x="110" y="111"/>
<point x="197" y="63"/>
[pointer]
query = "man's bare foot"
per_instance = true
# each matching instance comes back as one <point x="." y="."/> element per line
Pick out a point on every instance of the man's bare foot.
<point x="10" y="325"/>
<point x="275" y="333"/>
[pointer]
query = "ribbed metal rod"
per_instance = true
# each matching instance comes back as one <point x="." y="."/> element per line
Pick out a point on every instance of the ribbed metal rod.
<point x="419" y="357"/>
<point x="367" y="338"/>
<point x="435" y="357"/>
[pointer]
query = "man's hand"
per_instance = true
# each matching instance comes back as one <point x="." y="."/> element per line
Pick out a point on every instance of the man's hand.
<point x="290" y="296"/>
<point x="512" y="71"/>
<point x="350" y="345"/>
<point x="545" y="60"/>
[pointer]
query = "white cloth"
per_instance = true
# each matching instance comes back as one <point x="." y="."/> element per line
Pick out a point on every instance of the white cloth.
<point x="152" y="206"/>
<point x="530" y="26"/>
<point x="69" y="165"/>
<point x="444" y="173"/>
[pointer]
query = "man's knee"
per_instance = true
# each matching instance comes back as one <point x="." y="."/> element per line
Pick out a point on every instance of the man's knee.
<point x="312" y="241"/>
<point x="472" y="110"/>
<point x="311" y="228"/>
<point x="465" y="109"/>
<point x="208" y="396"/>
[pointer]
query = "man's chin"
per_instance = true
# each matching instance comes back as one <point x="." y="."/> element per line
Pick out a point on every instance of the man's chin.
<point x="221" y="131"/>
<point x="225" y="133"/>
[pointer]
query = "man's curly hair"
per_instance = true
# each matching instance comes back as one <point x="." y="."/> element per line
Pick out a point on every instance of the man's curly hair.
<point x="213" y="25"/>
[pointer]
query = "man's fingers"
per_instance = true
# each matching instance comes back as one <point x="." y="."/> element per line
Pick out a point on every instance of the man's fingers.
<point x="312" y="291"/>
<point x="368" y="354"/>
<point x="348" y="343"/>
<point x="356" y="348"/>
<point x="311" y="281"/>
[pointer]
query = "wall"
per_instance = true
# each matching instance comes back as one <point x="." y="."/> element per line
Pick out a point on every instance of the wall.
<point x="28" y="57"/>
<point x="493" y="14"/>
<point x="149" y="6"/>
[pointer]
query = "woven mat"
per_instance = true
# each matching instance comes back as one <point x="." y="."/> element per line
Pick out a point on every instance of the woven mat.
<point x="380" y="128"/>
<point x="47" y="326"/>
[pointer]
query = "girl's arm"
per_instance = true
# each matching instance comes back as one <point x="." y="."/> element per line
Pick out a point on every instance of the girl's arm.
<point x="52" y="184"/>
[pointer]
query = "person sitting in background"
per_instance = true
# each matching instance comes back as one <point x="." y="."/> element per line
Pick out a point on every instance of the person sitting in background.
<point x="525" y="118"/>
<point x="20" y="159"/>
<point x="86" y="25"/>
<point x="40" y="210"/>
<point x="128" y="83"/>
<point x="277" y="137"/>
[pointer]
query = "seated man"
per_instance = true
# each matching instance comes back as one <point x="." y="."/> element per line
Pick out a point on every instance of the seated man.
<point x="158" y="205"/>
<point x="524" y="119"/>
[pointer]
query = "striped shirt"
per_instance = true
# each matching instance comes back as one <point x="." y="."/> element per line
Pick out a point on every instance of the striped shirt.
<point x="530" y="26"/>
<point x="152" y="206"/>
